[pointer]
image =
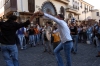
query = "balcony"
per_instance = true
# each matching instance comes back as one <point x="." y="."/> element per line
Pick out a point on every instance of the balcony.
<point x="72" y="10"/>
<point x="10" y="6"/>
<point x="63" y="1"/>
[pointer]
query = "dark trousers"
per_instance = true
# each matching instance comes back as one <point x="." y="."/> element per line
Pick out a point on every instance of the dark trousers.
<point x="84" y="37"/>
<point x="55" y="44"/>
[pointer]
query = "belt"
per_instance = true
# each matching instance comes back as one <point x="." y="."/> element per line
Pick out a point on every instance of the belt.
<point x="68" y="41"/>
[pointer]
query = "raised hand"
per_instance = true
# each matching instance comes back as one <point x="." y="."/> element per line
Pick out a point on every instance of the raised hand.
<point x="41" y="13"/>
<point x="33" y="16"/>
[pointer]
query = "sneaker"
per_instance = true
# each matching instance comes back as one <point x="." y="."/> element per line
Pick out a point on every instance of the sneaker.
<point x="74" y="52"/>
<point x="50" y="52"/>
<point x="21" y="48"/>
<point x="34" y="45"/>
<point x="98" y="56"/>
<point x="45" y="51"/>
<point x="31" y="45"/>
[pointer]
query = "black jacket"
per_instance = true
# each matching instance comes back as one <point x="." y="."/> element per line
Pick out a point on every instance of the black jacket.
<point x="31" y="32"/>
<point x="8" y="31"/>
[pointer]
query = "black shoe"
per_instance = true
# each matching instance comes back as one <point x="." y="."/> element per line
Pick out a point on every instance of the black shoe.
<point x="34" y="46"/>
<point x="45" y="51"/>
<point x="50" y="52"/>
<point x="98" y="56"/>
<point x="31" y="45"/>
<point x="74" y="52"/>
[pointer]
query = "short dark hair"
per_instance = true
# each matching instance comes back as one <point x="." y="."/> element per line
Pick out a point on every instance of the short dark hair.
<point x="12" y="17"/>
<point x="48" y="22"/>
<point x="61" y="16"/>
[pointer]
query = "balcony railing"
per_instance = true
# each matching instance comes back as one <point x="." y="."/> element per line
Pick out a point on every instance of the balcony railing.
<point x="64" y="1"/>
<point x="71" y="8"/>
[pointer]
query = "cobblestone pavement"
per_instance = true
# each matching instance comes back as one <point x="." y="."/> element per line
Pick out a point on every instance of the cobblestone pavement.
<point x="34" y="56"/>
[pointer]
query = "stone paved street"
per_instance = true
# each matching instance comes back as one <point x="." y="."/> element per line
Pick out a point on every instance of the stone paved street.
<point x="34" y="56"/>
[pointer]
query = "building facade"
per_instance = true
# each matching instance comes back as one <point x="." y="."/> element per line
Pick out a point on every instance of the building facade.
<point x="78" y="9"/>
<point x="2" y="2"/>
<point x="85" y="10"/>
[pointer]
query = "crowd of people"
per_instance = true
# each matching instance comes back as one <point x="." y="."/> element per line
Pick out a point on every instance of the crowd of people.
<point x="54" y="38"/>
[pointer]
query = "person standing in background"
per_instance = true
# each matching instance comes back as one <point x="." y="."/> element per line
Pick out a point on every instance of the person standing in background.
<point x="47" y="38"/>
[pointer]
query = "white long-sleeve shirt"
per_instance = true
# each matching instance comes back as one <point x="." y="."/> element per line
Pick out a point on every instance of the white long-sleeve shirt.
<point x="62" y="28"/>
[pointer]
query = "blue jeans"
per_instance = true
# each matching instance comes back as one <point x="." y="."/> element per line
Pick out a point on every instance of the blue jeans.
<point x="38" y="38"/>
<point x="67" y="46"/>
<point x="10" y="54"/>
<point x="42" y="38"/>
<point x="21" y="39"/>
<point x="98" y="44"/>
<point x="89" y="37"/>
<point x="35" y="39"/>
<point x="75" y="38"/>
<point x="31" y="39"/>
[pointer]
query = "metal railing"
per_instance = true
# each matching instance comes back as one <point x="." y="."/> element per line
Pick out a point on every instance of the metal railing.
<point x="71" y="7"/>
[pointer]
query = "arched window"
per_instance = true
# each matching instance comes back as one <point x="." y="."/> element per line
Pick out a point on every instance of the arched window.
<point x="70" y="15"/>
<point x="62" y="11"/>
<point x="48" y="7"/>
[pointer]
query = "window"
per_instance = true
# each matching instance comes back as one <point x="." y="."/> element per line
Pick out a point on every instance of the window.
<point x="81" y="5"/>
<point x="78" y="8"/>
<point x="97" y="13"/>
<point x="31" y="5"/>
<point x="73" y="6"/>
<point x="0" y="3"/>
<point x="78" y="16"/>
<point x="78" y="5"/>
<point x="84" y="7"/>
<point x="50" y="6"/>
<point x="70" y="15"/>
<point x="91" y="8"/>
<point x="87" y="8"/>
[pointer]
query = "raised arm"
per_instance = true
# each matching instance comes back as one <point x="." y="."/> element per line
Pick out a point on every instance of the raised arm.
<point x="52" y="18"/>
<point x="33" y="16"/>
<point x="27" y="22"/>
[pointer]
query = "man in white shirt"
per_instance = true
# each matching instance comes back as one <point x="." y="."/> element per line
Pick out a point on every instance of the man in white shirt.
<point x="47" y="38"/>
<point x="66" y="39"/>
